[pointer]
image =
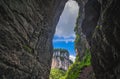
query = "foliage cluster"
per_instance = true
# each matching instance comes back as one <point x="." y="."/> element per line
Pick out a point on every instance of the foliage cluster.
<point x="75" y="69"/>
<point x="57" y="74"/>
<point x="61" y="50"/>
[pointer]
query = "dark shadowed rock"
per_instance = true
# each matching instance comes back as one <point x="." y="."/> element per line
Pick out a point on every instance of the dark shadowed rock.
<point x="87" y="73"/>
<point x="105" y="45"/>
<point x="100" y="23"/>
<point x="26" y="31"/>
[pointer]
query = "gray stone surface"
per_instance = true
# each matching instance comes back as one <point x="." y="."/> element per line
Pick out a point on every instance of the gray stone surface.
<point x="100" y="22"/>
<point x="26" y="32"/>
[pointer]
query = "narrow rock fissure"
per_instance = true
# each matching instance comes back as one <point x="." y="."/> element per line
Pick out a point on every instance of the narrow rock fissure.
<point x="65" y="64"/>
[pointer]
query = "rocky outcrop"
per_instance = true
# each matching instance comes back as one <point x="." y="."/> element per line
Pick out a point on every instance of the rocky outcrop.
<point x="61" y="59"/>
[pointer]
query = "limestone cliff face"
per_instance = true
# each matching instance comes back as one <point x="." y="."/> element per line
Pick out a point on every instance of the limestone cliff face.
<point x="61" y="59"/>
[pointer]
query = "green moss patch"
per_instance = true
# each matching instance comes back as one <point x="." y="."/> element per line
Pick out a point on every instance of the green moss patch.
<point x="27" y="48"/>
<point x="57" y="74"/>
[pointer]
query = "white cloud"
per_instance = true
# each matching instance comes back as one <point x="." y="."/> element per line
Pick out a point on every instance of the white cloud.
<point x="71" y="57"/>
<point x="65" y="27"/>
<point x="66" y="40"/>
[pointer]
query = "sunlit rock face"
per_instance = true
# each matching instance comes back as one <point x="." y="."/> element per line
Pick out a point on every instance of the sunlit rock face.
<point x="61" y="59"/>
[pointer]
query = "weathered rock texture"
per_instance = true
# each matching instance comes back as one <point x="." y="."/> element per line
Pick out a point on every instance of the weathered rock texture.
<point x="100" y="22"/>
<point x="82" y="49"/>
<point x="105" y="44"/>
<point x="27" y="28"/>
<point x="81" y="44"/>
<point x="61" y="59"/>
<point x="87" y="73"/>
<point x="26" y="31"/>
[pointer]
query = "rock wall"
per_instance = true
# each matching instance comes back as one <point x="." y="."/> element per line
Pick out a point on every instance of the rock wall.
<point x="26" y="31"/>
<point x="100" y="23"/>
<point x="87" y="73"/>
<point x="82" y="49"/>
<point x="105" y="46"/>
<point x="61" y="59"/>
<point x="81" y="44"/>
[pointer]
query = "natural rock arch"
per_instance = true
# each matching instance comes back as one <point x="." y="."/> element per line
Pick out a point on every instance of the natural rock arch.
<point x="27" y="28"/>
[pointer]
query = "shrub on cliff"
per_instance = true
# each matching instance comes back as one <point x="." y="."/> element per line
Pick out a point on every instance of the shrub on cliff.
<point x="57" y="74"/>
<point x="75" y="69"/>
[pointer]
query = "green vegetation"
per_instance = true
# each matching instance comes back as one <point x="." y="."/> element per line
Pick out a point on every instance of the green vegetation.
<point x="62" y="58"/>
<point x="77" y="40"/>
<point x="57" y="74"/>
<point x="27" y="48"/>
<point x="74" y="70"/>
<point x="61" y="50"/>
<point x="97" y="27"/>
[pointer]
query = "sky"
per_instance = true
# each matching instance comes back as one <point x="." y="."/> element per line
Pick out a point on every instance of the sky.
<point x="64" y="35"/>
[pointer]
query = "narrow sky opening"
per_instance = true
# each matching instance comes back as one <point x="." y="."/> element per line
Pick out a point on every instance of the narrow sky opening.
<point x="64" y="35"/>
